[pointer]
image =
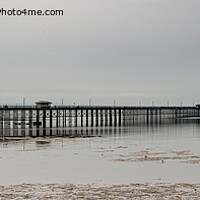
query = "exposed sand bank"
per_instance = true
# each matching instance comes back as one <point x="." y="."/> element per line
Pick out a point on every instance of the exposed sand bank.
<point x="89" y="192"/>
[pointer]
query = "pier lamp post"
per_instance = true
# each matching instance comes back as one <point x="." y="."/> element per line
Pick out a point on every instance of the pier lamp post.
<point x="23" y="101"/>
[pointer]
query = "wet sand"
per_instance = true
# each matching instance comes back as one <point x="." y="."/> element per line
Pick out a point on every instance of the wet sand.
<point x="89" y="192"/>
<point x="183" y="156"/>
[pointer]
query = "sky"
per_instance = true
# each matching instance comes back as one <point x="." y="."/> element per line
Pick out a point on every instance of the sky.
<point x="104" y="50"/>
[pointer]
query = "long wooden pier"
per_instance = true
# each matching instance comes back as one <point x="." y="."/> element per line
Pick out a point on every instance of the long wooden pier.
<point x="15" y="121"/>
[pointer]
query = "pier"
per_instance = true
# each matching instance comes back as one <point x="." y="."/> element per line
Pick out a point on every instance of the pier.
<point x="21" y="121"/>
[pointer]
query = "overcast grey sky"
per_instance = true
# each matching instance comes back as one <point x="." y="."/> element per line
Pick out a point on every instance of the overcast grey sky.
<point x="127" y="50"/>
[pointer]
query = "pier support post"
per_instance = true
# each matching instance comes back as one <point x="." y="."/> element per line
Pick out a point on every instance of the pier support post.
<point x="51" y="122"/>
<point x="106" y="117"/>
<point x="37" y="121"/>
<point x="151" y="115"/>
<point x="120" y="117"/>
<point x="176" y="115"/>
<point x="81" y="117"/>
<point x="70" y="117"/>
<point x="110" y="114"/>
<point x="147" y="116"/>
<point x="92" y="117"/>
<point x="115" y="117"/>
<point x="156" y="115"/>
<point x="124" y="117"/>
<point x="1" y="123"/>
<point x="97" y="117"/>
<point x="65" y="124"/>
<point x="63" y="118"/>
<point x="15" y="123"/>
<point x="30" y="122"/>
<point x="160" y="115"/>
<point x="101" y="116"/>
<point x="76" y="120"/>
<point x="57" y="119"/>
<point x="23" y="122"/>
<point x="86" y="117"/>
<point x="44" y="123"/>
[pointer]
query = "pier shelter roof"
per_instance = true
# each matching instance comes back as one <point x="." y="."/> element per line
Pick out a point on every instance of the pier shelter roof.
<point x="43" y="103"/>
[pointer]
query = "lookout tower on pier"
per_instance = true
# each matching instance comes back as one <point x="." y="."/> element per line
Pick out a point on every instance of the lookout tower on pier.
<point x="43" y="104"/>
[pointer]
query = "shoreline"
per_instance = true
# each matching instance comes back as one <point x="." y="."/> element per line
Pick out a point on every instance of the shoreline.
<point x="28" y="138"/>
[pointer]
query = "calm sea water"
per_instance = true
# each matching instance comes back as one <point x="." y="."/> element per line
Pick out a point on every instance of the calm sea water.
<point x="108" y="159"/>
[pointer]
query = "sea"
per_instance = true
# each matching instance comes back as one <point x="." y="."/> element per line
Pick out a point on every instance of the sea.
<point x="141" y="153"/>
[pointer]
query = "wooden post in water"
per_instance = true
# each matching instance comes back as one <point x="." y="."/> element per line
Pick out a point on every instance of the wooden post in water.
<point x="57" y="118"/>
<point x="59" y="113"/>
<point x="97" y="117"/>
<point x="81" y="117"/>
<point x="51" y="122"/>
<point x="63" y="117"/>
<point x="156" y="115"/>
<point x="86" y="117"/>
<point x="57" y="121"/>
<point x="106" y="117"/>
<point x="115" y="117"/>
<point x="76" y="120"/>
<point x="160" y="115"/>
<point x="110" y="114"/>
<point x="120" y="117"/>
<point x="30" y="122"/>
<point x="133" y="115"/>
<point x="1" y="123"/>
<point x="92" y="117"/>
<point x="147" y="116"/>
<point x="23" y="122"/>
<point x="176" y="115"/>
<point x="44" y="123"/>
<point x="101" y="116"/>
<point x="124" y="117"/>
<point x="37" y="121"/>
<point x="15" y="123"/>
<point x="70" y="117"/>
<point x="151" y="115"/>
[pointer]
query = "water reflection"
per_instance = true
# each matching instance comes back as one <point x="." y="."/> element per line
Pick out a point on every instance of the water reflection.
<point x="95" y="131"/>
